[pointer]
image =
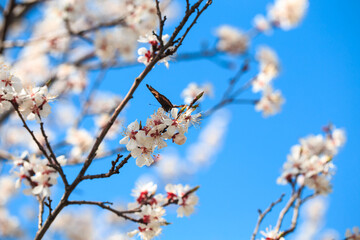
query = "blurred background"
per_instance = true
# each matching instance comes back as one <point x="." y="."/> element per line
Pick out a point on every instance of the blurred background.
<point x="319" y="79"/>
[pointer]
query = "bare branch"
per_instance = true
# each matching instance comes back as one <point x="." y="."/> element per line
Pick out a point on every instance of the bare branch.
<point x="294" y="218"/>
<point x="208" y="3"/>
<point x="7" y="14"/>
<point x="294" y="197"/>
<point x="41" y="148"/>
<point x="263" y="214"/>
<point x="41" y="212"/>
<point x="161" y="23"/>
<point x="58" y="167"/>
<point x="48" y="204"/>
<point x="103" y="205"/>
<point x="115" y="169"/>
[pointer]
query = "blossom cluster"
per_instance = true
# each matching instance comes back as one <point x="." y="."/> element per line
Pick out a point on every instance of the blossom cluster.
<point x="33" y="103"/>
<point x="146" y="55"/>
<point x="310" y="162"/>
<point x="37" y="174"/>
<point x="271" y="100"/>
<point x="142" y="141"/>
<point x="285" y="14"/>
<point x="149" y="206"/>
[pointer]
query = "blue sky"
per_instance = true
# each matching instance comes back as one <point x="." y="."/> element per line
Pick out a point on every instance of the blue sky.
<point x="320" y="81"/>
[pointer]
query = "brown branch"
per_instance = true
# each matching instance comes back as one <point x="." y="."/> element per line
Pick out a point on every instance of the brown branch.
<point x="58" y="167"/>
<point x="115" y="169"/>
<point x="208" y="3"/>
<point x="103" y="205"/>
<point x="48" y="204"/>
<point x="161" y="23"/>
<point x="263" y="214"/>
<point x="7" y="14"/>
<point x="41" y="148"/>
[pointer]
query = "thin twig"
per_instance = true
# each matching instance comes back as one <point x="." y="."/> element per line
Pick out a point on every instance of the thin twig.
<point x="115" y="169"/>
<point x="208" y="3"/>
<point x="48" y="204"/>
<point x="41" y="148"/>
<point x="52" y="155"/>
<point x="294" y="218"/>
<point x="263" y="214"/>
<point x="283" y="212"/>
<point x="161" y="23"/>
<point x="41" y="212"/>
<point x="103" y="205"/>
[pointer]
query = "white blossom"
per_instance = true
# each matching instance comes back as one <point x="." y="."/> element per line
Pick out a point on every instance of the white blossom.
<point x="151" y="221"/>
<point x="232" y="40"/>
<point x="142" y="141"/>
<point x="269" y="68"/>
<point x="185" y="200"/>
<point x="35" y="103"/>
<point x="146" y="55"/>
<point x="270" y="103"/>
<point x="310" y="162"/>
<point x="271" y="234"/>
<point x="287" y="13"/>
<point x="36" y="173"/>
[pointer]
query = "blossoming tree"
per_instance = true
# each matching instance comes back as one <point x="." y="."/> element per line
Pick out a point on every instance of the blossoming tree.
<point x="54" y="113"/>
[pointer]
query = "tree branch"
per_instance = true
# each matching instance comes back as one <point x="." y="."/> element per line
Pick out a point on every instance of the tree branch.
<point x="283" y="212"/>
<point x="58" y="167"/>
<point x="263" y="214"/>
<point x="41" y="212"/>
<point x="103" y="205"/>
<point x="115" y="169"/>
